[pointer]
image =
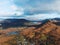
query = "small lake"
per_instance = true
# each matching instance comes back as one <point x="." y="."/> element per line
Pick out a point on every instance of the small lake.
<point x="13" y="33"/>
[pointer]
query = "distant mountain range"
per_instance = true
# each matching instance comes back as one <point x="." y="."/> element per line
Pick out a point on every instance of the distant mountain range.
<point x="22" y="22"/>
<point x="13" y="23"/>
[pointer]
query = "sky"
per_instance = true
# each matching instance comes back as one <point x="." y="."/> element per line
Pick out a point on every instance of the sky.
<point x="30" y="9"/>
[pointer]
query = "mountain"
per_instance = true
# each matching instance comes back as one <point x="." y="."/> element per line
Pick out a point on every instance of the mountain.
<point x="13" y="23"/>
<point x="58" y="19"/>
<point x="49" y="30"/>
<point x="18" y="23"/>
<point x="23" y="22"/>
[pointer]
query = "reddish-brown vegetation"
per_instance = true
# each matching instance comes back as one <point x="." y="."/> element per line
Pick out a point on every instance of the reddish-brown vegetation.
<point x="36" y="34"/>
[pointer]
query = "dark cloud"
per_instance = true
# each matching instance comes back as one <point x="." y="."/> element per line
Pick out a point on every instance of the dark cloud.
<point x="38" y="6"/>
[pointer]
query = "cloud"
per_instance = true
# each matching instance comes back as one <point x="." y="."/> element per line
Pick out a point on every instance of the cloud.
<point x="42" y="16"/>
<point x="35" y="17"/>
<point x="18" y="11"/>
<point x="36" y="6"/>
<point x="30" y="9"/>
<point x="47" y="7"/>
<point x="8" y="8"/>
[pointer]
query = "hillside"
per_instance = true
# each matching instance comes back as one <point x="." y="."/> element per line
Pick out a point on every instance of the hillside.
<point x="47" y="32"/>
<point x="7" y="23"/>
<point x="48" y="29"/>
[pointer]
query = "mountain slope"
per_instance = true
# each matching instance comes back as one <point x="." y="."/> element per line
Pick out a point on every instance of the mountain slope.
<point x="13" y="23"/>
<point x="46" y="28"/>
